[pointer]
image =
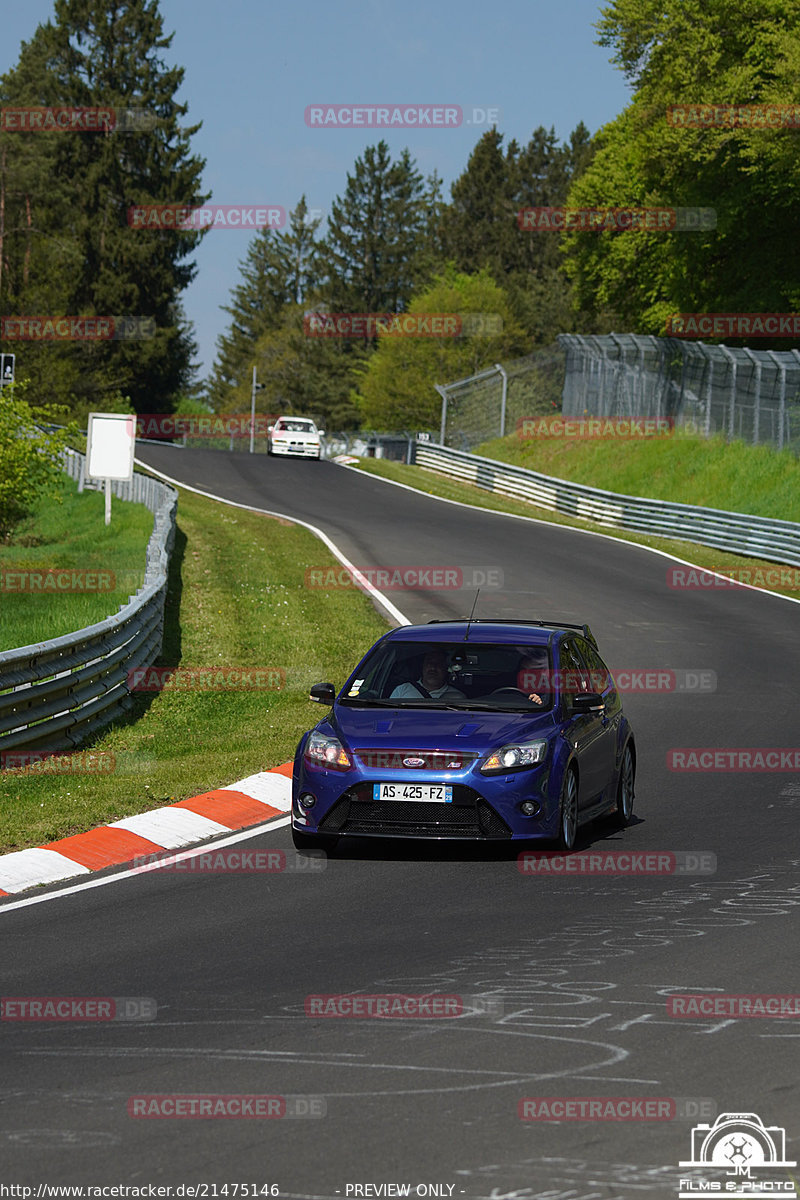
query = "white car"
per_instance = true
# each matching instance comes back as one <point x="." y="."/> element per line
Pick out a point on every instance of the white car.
<point x="295" y="435"/>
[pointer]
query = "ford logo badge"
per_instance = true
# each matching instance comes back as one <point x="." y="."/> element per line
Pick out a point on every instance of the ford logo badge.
<point x="413" y="762"/>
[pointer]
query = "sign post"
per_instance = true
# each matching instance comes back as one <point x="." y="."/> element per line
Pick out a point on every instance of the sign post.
<point x="109" y="450"/>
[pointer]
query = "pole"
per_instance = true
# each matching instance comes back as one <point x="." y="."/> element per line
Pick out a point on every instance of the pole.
<point x="108" y="501"/>
<point x="253" y="411"/>
<point x="497" y="367"/>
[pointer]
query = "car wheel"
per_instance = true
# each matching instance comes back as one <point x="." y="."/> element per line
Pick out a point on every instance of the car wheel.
<point x="313" y="841"/>
<point x="568" y="812"/>
<point x="625" y="788"/>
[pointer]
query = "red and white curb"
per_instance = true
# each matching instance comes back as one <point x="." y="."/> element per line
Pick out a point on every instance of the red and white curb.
<point x="248" y="802"/>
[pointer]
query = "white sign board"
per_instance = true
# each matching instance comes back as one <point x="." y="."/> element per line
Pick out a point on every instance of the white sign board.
<point x="110" y="446"/>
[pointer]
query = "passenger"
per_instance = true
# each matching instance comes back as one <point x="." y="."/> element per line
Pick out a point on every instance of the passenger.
<point x="532" y="676"/>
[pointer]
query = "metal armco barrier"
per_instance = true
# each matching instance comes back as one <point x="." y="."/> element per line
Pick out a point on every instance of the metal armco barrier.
<point x="739" y="533"/>
<point x="65" y="689"/>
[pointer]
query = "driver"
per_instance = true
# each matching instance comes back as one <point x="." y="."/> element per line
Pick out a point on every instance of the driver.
<point x="432" y="683"/>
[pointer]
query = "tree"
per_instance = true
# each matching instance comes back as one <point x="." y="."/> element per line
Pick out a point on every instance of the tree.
<point x="377" y="229"/>
<point x="30" y="459"/>
<point x="687" y="52"/>
<point x="395" y="388"/>
<point x="280" y="270"/>
<point x="67" y="245"/>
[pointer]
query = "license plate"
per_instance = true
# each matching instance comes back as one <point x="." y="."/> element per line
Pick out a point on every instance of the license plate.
<point x="413" y="791"/>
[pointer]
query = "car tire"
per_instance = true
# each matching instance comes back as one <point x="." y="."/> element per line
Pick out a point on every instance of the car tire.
<point x="625" y="789"/>
<point x="313" y="841"/>
<point x="568" y="812"/>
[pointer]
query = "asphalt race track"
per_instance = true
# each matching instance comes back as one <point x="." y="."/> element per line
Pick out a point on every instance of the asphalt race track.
<point x="582" y="965"/>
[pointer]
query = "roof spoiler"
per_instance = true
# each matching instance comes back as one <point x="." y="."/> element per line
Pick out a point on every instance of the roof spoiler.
<point x="584" y="629"/>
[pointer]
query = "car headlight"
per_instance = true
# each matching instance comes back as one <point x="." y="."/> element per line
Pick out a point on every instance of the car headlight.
<point x="328" y="752"/>
<point x="514" y="756"/>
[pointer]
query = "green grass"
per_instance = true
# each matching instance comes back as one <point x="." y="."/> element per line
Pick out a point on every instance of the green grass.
<point x="683" y="467"/>
<point x="237" y="597"/>
<point x="746" y="569"/>
<point x="71" y="534"/>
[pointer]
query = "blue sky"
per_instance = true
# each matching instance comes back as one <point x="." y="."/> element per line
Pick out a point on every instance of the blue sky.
<point x="252" y="67"/>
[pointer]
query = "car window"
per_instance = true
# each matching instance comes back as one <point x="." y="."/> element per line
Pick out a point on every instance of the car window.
<point x="574" y="671"/>
<point x="600" y="676"/>
<point x="483" y="674"/>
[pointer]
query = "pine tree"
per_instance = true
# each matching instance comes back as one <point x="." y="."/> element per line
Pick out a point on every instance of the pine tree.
<point x="101" y="54"/>
<point x="376" y="234"/>
<point x="280" y="270"/>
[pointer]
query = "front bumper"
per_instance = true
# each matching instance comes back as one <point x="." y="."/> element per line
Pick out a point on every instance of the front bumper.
<point x="482" y="809"/>
<point x="297" y="449"/>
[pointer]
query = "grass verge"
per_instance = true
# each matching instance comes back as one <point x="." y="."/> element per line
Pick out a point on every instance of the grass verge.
<point x="237" y="597"/>
<point x="755" y="571"/>
<point x="684" y="467"/>
<point x="70" y="534"/>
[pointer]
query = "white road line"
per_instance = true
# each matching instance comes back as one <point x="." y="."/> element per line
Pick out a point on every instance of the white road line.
<point x="359" y="579"/>
<point x="496" y="512"/>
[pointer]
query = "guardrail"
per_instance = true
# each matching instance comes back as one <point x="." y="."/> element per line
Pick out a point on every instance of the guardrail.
<point x="739" y="533"/>
<point x="55" y="694"/>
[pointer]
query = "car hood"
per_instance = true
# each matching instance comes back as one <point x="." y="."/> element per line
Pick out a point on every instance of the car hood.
<point x="434" y="729"/>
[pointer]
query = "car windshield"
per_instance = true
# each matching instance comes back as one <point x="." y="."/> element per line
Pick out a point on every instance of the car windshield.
<point x="413" y="674"/>
<point x="295" y="427"/>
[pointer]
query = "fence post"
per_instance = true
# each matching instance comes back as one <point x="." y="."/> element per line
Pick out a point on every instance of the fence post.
<point x="782" y="399"/>
<point x="443" y="393"/>
<point x="503" y="397"/>
<point x="757" y="399"/>
<point x="732" y="409"/>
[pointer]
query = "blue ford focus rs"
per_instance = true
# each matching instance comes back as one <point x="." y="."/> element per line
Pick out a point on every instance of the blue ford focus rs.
<point x="482" y="729"/>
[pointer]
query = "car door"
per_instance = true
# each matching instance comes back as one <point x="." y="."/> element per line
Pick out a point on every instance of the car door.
<point x="586" y="731"/>
<point x="602" y="682"/>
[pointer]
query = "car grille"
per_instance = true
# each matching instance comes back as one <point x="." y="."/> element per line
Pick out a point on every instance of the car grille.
<point x="428" y="760"/>
<point x="469" y="816"/>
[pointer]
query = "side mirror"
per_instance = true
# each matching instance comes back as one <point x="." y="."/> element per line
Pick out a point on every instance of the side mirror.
<point x="323" y="693"/>
<point x="270" y="428"/>
<point x="588" y="702"/>
<point x="321" y="432"/>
